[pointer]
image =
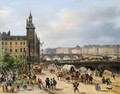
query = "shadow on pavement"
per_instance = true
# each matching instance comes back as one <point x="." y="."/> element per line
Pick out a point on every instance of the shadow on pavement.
<point x="58" y="89"/>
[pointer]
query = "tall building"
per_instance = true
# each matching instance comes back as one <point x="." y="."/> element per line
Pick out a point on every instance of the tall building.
<point x="22" y="45"/>
<point x="16" y="45"/>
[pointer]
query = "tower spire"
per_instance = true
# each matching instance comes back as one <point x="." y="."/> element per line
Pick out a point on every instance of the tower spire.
<point x="29" y="21"/>
<point x="30" y="16"/>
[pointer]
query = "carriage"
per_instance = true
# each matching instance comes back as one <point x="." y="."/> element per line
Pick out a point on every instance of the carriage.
<point x="37" y="68"/>
<point x="69" y="68"/>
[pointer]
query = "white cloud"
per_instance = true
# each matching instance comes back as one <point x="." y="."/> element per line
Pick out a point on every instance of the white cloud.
<point x="5" y="13"/>
<point x="89" y="25"/>
<point x="92" y="23"/>
<point x="10" y="21"/>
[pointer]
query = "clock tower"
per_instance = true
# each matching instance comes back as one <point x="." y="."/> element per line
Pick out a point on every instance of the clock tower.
<point x="30" y="30"/>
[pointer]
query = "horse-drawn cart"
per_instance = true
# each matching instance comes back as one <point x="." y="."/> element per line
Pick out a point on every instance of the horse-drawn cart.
<point x="37" y="68"/>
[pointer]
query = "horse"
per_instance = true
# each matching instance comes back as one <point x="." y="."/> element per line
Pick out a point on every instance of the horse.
<point x="90" y="79"/>
<point x="52" y="71"/>
<point x="83" y="78"/>
<point x="86" y="78"/>
<point x="75" y="76"/>
<point x="59" y="75"/>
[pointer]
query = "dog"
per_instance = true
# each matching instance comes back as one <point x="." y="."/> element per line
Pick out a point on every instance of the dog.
<point x="109" y="88"/>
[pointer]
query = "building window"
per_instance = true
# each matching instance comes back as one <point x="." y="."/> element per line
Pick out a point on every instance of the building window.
<point x="5" y="43"/>
<point x="24" y="43"/>
<point x="20" y="43"/>
<point x="10" y="43"/>
<point x="15" y="50"/>
<point x="15" y="43"/>
<point x="2" y="43"/>
<point x="18" y="38"/>
<point x="10" y="50"/>
<point x="20" y="49"/>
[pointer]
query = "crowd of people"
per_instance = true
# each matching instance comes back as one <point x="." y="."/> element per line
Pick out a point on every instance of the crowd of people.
<point x="9" y="78"/>
<point x="50" y="83"/>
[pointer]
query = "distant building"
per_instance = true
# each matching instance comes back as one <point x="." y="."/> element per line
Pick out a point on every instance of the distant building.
<point x="64" y="50"/>
<point x="50" y="51"/>
<point x="101" y="50"/>
<point x="19" y="45"/>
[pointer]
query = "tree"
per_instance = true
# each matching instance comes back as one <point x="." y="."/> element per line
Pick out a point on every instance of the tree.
<point x="18" y="62"/>
<point x="8" y="60"/>
<point x="1" y="60"/>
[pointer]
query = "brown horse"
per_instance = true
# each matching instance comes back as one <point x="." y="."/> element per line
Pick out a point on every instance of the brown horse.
<point x="52" y="71"/>
<point x="59" y="75"/>
<point x="87" y="79"/>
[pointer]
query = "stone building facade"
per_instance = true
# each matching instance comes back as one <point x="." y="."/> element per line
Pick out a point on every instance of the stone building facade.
<point x="92" y="50"/>
<point x="21" y="45"/>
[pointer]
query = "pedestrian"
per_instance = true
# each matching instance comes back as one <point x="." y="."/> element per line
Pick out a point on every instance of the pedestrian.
<point x="108" y="81"/>
<point x="13" y="77"/>
<point x="51" y="83"/>
<point x="97" y="87"/>
<point x="68" y="78"/>
<point x="113" y="76"/>
<point x="39" y="83"/>
<point x="103" y="80"/>
<point x="34" y="77"/>
<point x="54" y="83"/>
<point x="75" y="85"/>
<point x="47" y="83"/>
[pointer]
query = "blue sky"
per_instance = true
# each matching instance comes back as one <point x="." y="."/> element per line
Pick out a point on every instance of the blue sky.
<point x="64" y="23"/>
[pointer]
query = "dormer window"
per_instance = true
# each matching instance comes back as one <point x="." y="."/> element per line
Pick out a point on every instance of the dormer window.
<point x="18" y="38"/>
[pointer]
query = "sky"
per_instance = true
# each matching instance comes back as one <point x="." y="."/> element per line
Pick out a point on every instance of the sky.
<point x="64" y="23"/>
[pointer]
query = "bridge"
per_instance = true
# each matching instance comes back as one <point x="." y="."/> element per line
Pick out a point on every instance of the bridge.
<point x="71" y="56"/>
<point x="109" y="65"/>
<point x="62" y="56"/>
